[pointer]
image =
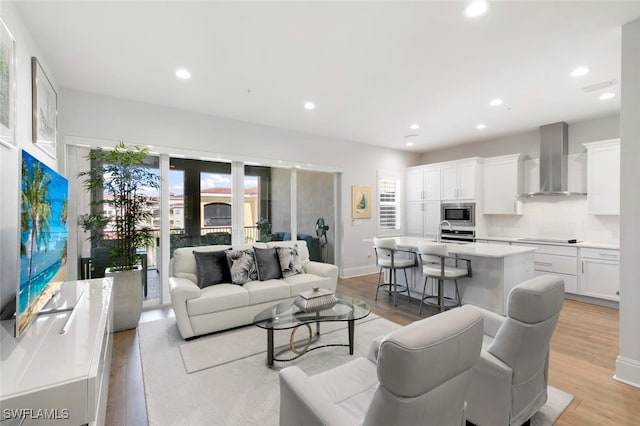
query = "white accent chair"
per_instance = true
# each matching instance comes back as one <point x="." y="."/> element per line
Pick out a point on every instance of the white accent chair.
<point x="433" y="261"/>
<point x="387" y="258"/>
<point x="415" y="375"/>
<point x="509" y="383"/>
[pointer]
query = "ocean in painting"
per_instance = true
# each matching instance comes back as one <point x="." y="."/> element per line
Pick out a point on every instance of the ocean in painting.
<point x="43" y="229"/>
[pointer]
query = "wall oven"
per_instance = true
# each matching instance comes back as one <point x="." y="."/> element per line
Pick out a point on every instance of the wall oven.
<point x="459" y="214"/>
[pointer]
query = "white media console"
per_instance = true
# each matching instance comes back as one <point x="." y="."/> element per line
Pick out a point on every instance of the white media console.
<point x="61" y="379"/>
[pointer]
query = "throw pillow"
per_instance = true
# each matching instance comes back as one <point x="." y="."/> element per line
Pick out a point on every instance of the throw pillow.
<point x="290" y="262"/>
<point x="242" y="266"/>
<point x="212" y="268"/>
<point x="268" y="264"/>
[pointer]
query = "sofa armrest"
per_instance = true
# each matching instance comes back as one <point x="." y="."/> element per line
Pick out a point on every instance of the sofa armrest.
<point x="322" y="270"/>
<point x="303" y="402"/>
<point x="183" y="289"/>
<point x="492" y="321"/>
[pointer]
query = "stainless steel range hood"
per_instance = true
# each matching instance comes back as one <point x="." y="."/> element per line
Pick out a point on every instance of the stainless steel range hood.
<point x="554" y="141"/>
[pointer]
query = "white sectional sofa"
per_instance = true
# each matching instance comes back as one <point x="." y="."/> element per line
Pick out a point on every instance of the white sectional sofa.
<point x="226" y="305"/>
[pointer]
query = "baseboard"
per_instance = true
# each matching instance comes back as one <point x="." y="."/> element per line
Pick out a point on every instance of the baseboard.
<point x="593" y="300"/>
<point x="358" y="271"/>
<point x="627" y="371"/>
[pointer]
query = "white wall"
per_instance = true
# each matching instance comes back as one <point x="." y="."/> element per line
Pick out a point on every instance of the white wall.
<point x="94" y="116"/>
<point x="547" y="217"/>
<point x="628" y="362"/>
<point x="528" y="143"/>
<point x="10" y="158"/>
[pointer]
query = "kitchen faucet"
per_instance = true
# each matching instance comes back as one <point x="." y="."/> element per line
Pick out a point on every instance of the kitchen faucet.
<point x="439" y="235"/>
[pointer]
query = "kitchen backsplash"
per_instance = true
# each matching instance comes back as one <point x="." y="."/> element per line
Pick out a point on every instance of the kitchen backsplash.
<point x="556" y="217"/>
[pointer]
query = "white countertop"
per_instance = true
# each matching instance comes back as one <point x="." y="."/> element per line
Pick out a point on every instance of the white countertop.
<point x="470" y="249"/>
<point x="585" y="244"/>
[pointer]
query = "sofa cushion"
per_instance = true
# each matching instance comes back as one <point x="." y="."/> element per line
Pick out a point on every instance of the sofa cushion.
<point x="212" y="268"/>
<point x="242" y="265"/>
<point x="216" y="298"/>
<point x="268" y="263"/>
<point x="304" y="282"/>
<point x="184" y="262"/>
<point x="267" y="291"/>
<point x="290" y="262"/>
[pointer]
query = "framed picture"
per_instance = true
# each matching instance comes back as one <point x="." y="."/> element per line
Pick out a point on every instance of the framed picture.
<point x="45" y="109"/>
<point x="7" y="86"/>
<point x="361" y="202"/>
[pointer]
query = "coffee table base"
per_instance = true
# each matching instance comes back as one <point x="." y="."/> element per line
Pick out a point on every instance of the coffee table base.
<point x="270" y="350"/>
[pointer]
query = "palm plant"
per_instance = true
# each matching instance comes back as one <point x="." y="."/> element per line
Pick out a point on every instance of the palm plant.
<point x="119" y="179"/>
<point x="36" y="211"/>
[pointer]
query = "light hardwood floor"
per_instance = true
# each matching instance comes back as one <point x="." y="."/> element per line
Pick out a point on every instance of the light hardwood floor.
<point x="583" y="353"/>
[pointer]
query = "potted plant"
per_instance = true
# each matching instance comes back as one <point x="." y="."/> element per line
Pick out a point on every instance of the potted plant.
<point x="120" y="212"/>
<point x="264" y="229"/>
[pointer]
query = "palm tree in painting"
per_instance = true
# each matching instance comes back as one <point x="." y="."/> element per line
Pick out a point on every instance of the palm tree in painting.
<point x="36" y="211"/>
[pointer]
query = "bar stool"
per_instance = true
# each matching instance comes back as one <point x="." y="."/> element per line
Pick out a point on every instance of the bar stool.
<point x="386" y="258"/>
<point x="433" y="259"/>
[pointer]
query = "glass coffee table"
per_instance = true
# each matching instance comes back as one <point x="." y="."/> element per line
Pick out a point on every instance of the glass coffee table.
<point x="287" y="315"/>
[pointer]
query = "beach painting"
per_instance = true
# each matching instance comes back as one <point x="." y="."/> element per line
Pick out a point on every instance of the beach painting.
<point x="44" y="202"/>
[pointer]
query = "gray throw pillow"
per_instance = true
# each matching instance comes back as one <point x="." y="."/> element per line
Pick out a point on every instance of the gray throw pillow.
<point x="212" y="268"/>
<point x="242" y="266"/>
<point x="290" y="261"/>
<point x="268" y="263"/>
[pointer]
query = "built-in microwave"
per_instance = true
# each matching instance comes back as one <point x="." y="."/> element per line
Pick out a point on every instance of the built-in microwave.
<point x="460" y="214"/>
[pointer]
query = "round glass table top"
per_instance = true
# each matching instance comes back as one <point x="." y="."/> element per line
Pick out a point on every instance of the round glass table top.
<point x="287" y="315"/>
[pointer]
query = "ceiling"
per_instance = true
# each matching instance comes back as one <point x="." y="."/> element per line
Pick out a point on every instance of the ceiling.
<point x="371" y="68"/>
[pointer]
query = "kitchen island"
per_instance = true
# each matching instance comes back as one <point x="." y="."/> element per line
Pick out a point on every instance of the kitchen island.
<point x="496" y="269"/>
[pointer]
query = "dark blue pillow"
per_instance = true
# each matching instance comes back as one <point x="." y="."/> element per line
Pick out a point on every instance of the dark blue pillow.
<point x="212" y="268"/>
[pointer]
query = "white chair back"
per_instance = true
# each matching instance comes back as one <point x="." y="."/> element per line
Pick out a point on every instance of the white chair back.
<point x="384" y="247"/>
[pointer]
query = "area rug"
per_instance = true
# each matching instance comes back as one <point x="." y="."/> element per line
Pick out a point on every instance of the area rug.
<point x="184" y="384"/>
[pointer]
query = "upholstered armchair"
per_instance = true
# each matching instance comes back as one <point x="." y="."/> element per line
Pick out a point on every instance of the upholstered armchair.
<point x="416" y="375"/>
<point x="509" y="383"/>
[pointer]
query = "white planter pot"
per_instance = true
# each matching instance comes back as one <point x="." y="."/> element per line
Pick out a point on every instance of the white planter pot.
<point x="127" y="298"/>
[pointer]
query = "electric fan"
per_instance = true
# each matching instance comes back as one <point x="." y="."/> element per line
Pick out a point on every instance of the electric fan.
<point x="321" y="231"/>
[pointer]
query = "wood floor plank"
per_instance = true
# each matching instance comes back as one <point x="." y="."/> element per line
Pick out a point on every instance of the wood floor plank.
<point x="584" y="348"/>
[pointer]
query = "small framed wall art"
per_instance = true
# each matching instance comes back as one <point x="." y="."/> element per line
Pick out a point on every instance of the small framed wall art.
<point x="7" y="86"/>
<point x="361" y="202"/>
<point x="45" y="109"/>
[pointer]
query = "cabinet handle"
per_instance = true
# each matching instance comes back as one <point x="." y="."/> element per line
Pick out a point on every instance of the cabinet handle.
<point x="618" y="293"/>
<point x="607" y="255"/>
<point x="582" y="267"/>
<point x="543" y="263"/>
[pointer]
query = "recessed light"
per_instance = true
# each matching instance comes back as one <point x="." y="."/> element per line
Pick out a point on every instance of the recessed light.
<point x="476" y="8"/>
<point x="409" y="144"/>
<point x="496" y="102"/>
<point x="580" y="71"/>
<point x="309" y="105"/>
<point x="415" y="127"/>
<point x="183" y="74"/>
<point x="481" y="126"/>
<point x="608" y="95"/>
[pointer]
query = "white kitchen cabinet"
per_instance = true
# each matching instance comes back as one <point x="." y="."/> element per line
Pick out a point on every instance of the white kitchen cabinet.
<point x="603" y="177"/>
<point x="459" y="180"/>
<point x="423" y="183"/>
<point x="414" y="184"/>
<point x="415" y="221"/>
<point x="431" y="218"/>
<point x="423" y="218"/>
<point x="557" y="260"/>
<point x="432" y="183"/>
<point x="502" y="184"/>
<point x="600" y="273"/>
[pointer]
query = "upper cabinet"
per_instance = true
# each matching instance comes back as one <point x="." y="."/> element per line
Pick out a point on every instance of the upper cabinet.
<point x="459" y="180"/>
<point x="502" y="184"/>
<point x="603" y="177"/>
<point x="423" y="183"/>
